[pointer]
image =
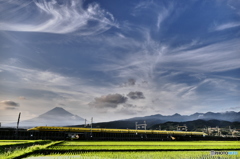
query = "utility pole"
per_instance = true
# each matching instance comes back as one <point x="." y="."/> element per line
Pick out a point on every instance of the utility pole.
<point x="231" y="130"/>
<point x="85" y="123"/>
<point x="19" y="115"/>
<point x="218" y="131"/>
<point x="91" y="125"/>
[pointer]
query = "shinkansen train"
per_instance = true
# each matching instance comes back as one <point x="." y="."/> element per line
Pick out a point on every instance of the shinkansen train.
<point x="120" y="134"/>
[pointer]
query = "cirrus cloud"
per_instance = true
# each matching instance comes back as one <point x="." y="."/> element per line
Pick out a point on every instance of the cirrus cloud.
<point x="57" y="17"/>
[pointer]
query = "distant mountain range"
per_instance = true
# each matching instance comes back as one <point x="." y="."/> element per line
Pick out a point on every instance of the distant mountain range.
<point x="153" y="120"/>
<point x="60" y="117"/>
<point x="227" y="116"/>
<point x="170" y="125"/>
<point x="55" y="117"/>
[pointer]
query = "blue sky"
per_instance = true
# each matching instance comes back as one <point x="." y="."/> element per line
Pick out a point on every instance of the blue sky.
<point x="112" y="59"/>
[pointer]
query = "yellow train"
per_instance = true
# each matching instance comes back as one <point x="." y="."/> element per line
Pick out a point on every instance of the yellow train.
<point x="125" y="131"/>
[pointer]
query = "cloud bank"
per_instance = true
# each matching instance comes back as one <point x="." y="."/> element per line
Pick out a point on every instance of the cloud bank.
<point x="109" y="101"/>
<point x="8" y="104"/>
<point x="136" y="95"/>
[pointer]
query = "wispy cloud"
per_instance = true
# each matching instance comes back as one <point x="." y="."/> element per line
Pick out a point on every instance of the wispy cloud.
<point x="138" y="64"/>
<point x="139" y="60"/>
<point x="158" y="10"/>
<point x="222" y="56"/>
<point x="45" y="88"/>
<point x="226" y="26"/>
<point x="163" y="14"/>
<point x="161" y="66"/>
<point x="161" y="17"/>
<point x="144" y="4"/>
<point x="60" y="18"/>
<point x="41" y="82"/>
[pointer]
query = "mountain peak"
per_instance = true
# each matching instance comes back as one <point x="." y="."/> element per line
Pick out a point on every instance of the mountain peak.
<point x="57" y="111"/>
<point x="58" y="108"/>
<point x="176" y="114"/>
<point x="55" y="117"/>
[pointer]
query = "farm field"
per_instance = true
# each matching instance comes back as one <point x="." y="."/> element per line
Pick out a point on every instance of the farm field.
<point x="14" y="148"/>
<point x="120" y="149"/>
<point x="137" y="155"/>
<point x="154" y="145"/>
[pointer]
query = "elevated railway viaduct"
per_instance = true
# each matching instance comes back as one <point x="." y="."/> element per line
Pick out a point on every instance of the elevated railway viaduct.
<point x="68" y="133"/>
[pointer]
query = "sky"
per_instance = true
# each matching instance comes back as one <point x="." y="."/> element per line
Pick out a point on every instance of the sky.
<point x="112" y="59"/>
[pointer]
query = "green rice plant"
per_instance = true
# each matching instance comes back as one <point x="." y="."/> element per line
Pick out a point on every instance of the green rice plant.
<point x="136" y="155"/>
<point x="140" y="145"/>
<point x="21" y="151"/>
<point x="133" y="150"/>
<point x="151" y="143"/>
<point x="149" y="147"/>
<point x="9" y="146"/>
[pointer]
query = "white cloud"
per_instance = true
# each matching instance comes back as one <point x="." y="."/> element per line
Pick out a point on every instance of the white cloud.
<point x="222" y="56"/>
<point x="163" y="14"/>
<point x="144" y="4"/>
<point x="150" y="64"/>
<point x="226" y="26"/>
<point x="160" y="65"/>
<point x="158" y="9"/>
<point x="36" y="76"/>
<point x="54" y="17"/>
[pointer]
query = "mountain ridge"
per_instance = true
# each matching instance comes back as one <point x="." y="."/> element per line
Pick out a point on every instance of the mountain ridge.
<point x="153" y="120"/>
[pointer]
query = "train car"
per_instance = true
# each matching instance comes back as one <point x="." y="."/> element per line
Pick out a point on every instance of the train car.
<point x="119" y="134"/>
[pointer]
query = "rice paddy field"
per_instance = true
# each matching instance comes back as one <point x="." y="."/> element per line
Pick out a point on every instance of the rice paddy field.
<point x="42" y="149"/>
